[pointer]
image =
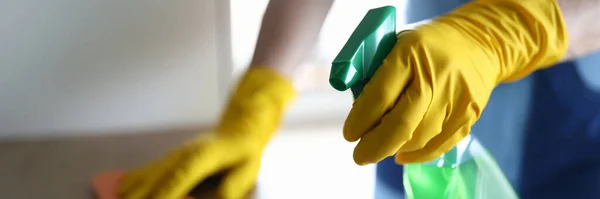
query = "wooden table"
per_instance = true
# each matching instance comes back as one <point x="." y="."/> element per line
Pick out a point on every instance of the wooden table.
<point x="299" y="163"/>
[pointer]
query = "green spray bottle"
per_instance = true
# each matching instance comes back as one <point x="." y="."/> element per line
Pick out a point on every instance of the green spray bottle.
<point x="467" y="171"/>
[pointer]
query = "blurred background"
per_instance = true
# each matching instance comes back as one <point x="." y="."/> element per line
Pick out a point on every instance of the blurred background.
<point x="87" y="86"/>
<point x="72" y="67"/>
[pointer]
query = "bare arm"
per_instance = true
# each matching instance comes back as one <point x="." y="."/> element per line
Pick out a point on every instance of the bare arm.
<point x="582" y="18"/>
<point x="289" y="30"/>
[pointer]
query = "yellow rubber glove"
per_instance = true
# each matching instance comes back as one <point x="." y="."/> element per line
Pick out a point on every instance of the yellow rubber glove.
<point x="236" y="145"/>
<point x="437" y="80"/>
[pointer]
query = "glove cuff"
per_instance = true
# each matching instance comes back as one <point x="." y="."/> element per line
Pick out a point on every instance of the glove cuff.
<point x="523" y="36"/>
<point x="257" y="104"/>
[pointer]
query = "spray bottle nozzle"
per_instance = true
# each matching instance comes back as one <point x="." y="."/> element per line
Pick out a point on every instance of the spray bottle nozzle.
<point x="365" y="51"/>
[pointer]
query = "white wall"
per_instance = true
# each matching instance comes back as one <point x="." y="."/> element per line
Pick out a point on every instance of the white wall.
<point x="71" y="66"/>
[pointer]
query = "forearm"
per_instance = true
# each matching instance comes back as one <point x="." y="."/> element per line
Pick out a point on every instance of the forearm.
<point x="583" y="26"/>
<point x="288" y="32"/>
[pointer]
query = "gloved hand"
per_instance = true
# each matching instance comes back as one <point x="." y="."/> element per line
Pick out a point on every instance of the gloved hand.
<point x="236" y="145"/>
<point x="437" y="80"/>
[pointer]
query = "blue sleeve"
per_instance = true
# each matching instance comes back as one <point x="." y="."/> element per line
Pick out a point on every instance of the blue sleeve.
<point x="589" y="69"/>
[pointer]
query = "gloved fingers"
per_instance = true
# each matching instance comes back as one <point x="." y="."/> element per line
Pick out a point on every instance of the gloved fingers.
<point x="430" y="127"/>
<point x="378" y="96"/>
<point x="138" y="183"/>
<point x="193" y="167"/>
<point x="455" y="129"/>
<point x="241" y="180"/>
<point x="129" y="188"/>
<point x="396" y="127"/>
<point x="175" y="182"/>
<point x="132" y="179"/>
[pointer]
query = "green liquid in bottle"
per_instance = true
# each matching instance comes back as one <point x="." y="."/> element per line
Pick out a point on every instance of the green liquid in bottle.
<point x="432" y="181"/>
<point x="467" y="171"/>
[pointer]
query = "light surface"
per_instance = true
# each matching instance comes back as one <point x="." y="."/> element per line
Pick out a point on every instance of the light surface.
<point x="300" y="163"/>
<point x="313" y="164"/>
